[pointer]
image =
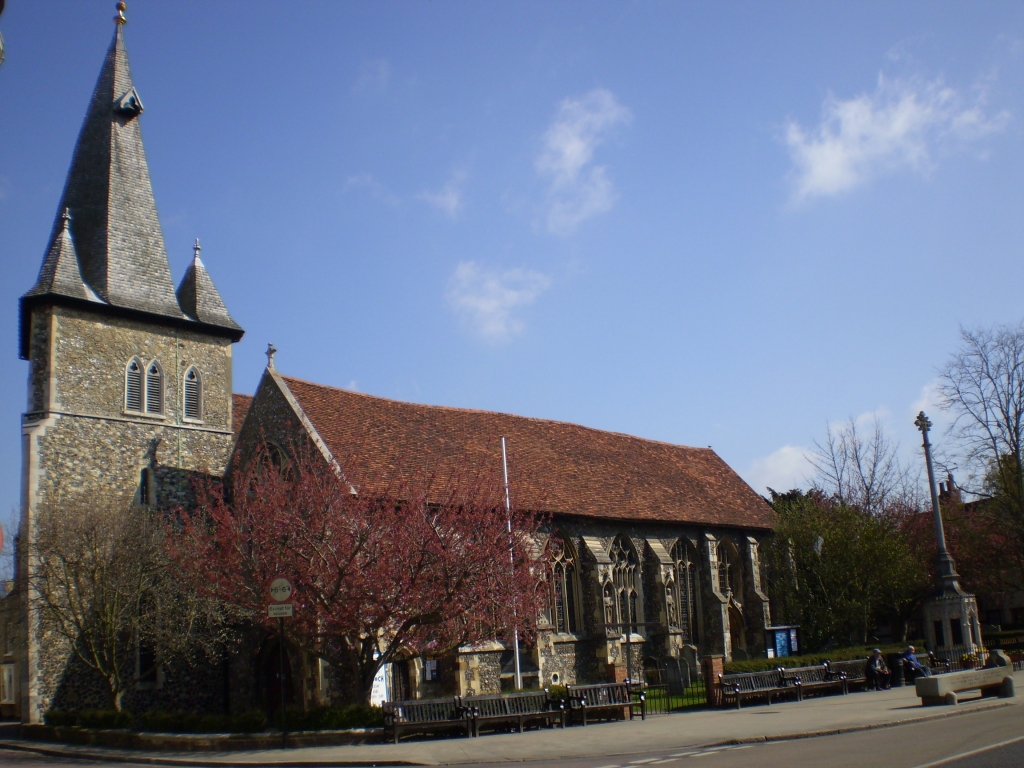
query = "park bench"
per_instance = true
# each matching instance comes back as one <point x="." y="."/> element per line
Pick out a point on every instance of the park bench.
<point x="424" y="716"/>
<point x="856" y="671"/>
<point x="754" y="685"/>
<point x="813" y="679"/>
<point x="605" y="700"/>
<point x="516" y="709"/>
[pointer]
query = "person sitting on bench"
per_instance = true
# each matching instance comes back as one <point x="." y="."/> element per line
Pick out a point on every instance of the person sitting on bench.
<point x="911" y="666"/>
<point x="877" y="673"/>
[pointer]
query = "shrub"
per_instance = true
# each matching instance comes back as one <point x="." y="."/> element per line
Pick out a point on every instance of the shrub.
<point x="333" y="718"/>
<point x="105" y="718"/>
<point x="60" y="718"/>
<point x="250" y="721"/>
<point x="812" y="659"/>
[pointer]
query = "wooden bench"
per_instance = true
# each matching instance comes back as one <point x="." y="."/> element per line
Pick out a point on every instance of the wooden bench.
<point x="814" y="679"/>
<point x="754" y="685"/>
<point x="604" y="700"/>
<point x="424" y="716"/>
<point x="856" y="671"/>
<point x="517" y="709"/>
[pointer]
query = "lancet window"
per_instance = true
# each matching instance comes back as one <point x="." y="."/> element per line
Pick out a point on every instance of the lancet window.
<point x="683" y="613"/>
<point x="625" y="582"/>
<point x="193" y="394"/>
<point x="133" y="386"/>
<point x="728" y="568"/>
<point x="564" y="586"/>
<point x="154" y="388"/>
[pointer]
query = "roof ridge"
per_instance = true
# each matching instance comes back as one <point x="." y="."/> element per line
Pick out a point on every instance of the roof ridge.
<point x="539" y="419"/>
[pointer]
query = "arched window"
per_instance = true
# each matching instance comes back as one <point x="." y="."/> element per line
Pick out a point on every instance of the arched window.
<point x="133" y="386"/>
<point x="271" y="456"/>
<point x="684" y="566"/>
<point x="193" y="397"/>
<point x="564" y="586"/>
<point x="154" y="388"/>
<point x="625" y="572"/>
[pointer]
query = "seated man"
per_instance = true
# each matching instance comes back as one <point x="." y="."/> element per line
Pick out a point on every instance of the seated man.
<point x="912" y="667"/>
<point x="877" y="673"/>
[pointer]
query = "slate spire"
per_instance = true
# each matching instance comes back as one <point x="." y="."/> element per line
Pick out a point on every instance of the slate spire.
<point x="59" y="274"/>
<point x="198" y="296"/>
<point x="115" y="227"/>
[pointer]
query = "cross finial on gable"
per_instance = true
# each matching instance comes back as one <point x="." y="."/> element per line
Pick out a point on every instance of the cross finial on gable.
<point x="271" y="351"/>
<point x="196" y="249"/>
<point x="66" y="216"/>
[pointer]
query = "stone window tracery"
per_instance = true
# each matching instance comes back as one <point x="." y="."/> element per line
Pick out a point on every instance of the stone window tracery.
<point x="193" y="394"/>
<point x="625" y="572"/>
<point x="564" y="586"/>
<point x="154" y="388"/>
<point x="683" y="613"/>
<point x="724" y="570"/>
<point x="133" y="386"/>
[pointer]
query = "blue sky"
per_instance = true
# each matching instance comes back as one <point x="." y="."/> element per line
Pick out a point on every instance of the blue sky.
<point x="701" y="222"/>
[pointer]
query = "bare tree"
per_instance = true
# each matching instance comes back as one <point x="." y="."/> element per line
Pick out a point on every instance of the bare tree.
<point x="863" y="470"/>
<point x="103" y="585"/>
<point x="982" y="384"/>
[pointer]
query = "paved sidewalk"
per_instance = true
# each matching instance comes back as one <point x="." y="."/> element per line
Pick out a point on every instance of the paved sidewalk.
<point x="817" y="716"/>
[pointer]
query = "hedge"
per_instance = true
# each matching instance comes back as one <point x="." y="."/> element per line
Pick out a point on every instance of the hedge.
<point x="333" y="718"/>
<point x="814" y="659"/>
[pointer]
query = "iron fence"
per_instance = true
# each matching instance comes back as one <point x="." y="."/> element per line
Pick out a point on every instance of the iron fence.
<point x="958" y="658"/>
<point x="662" y="700"/>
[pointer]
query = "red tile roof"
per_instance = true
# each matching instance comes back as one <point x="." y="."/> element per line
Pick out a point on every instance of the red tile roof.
<point x="558" y="467"/>
<point x="239" y="407"/>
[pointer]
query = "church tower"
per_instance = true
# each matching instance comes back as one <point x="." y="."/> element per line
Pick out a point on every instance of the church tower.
<point x="129" y="387"/>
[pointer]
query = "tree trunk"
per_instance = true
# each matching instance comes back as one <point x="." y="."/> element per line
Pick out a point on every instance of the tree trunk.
<point x="116" y="693"/>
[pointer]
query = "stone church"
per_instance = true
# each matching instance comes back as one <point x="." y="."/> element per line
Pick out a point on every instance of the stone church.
<point x="130" y="392"/>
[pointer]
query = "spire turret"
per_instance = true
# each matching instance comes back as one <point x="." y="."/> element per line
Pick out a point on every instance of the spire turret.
<point x="198" y="296"/>
<point x="60" y="274"/>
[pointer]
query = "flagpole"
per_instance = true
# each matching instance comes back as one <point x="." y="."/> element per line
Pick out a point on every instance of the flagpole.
<point x="511" y="559"/>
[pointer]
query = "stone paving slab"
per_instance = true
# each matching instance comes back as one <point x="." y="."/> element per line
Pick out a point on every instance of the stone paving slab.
<point x="789" y="720"/>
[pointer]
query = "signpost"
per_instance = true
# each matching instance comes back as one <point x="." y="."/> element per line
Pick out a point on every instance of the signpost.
<point x="281" y="590"/>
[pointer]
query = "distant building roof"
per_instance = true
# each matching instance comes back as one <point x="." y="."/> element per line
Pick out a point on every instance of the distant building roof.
<point x="554" y="466"/>
<point x="239" y="407"/>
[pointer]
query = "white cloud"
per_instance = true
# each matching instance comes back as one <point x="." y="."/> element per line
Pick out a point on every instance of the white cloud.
<point x="578" y="189"/>
<point x="900" y="125"/>
<point x="352" y="386"/>
<point x="487" y="298"/>
<point x="373" y="76"/>
<point x="783" y="470"/>
<point x="448" y="199"/>
<point x="376" y="189"/>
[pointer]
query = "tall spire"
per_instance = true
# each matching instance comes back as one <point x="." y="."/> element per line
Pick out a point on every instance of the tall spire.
<point x="115" y="227"/>
<point x="198" y="296"/>
<point x="109" y="250"/>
